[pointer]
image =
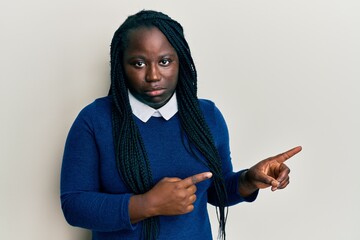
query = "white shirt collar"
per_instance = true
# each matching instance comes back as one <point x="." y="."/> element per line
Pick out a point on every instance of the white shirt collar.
<point x="144" y="112"/>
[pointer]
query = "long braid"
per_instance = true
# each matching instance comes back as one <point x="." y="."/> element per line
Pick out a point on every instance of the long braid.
<point x="132" y="160"/>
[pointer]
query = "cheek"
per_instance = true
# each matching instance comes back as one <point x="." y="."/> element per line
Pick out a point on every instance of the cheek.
<point x="171" y="78"/>
<point x="174" y="74"/>
<point x="176" y="77"/>
<point x="132" y="78"/>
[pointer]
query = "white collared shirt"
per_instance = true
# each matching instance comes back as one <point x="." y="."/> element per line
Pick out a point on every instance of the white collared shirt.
<point x="145" y="112"/>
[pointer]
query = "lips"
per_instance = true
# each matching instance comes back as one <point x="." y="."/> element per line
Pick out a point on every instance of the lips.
<point x="155" y="92"/>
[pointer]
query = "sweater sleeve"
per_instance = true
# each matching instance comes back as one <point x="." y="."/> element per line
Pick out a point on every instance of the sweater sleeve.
<point x="83" y="203"/>
<point x="221" y="136"/>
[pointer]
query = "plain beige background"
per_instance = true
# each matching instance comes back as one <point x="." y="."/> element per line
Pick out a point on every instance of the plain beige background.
<point x="284" y="73"/>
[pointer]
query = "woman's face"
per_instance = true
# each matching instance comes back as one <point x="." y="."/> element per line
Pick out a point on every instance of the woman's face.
<point x="151" y="66"/>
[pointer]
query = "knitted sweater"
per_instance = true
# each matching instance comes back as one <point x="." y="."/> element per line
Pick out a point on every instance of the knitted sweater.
<point x="93" y="196"/>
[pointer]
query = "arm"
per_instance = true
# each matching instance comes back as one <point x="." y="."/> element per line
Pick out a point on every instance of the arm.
<point x="221" y="137"/>
<point x="83" y="202"/>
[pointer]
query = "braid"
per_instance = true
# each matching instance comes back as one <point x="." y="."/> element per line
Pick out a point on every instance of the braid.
<point x="132" y="160"/>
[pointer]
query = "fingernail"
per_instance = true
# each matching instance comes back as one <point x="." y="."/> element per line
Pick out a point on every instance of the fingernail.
<point x="208" y="175"/>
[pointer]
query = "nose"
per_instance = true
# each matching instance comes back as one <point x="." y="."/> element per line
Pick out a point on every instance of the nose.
<point x="153" y="73"/>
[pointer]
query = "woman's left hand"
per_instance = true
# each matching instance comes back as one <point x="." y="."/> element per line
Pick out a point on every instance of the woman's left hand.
<point x="271" y="172"/>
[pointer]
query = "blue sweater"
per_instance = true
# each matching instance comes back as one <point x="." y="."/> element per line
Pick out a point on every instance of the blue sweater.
<point x="93" y="195"/>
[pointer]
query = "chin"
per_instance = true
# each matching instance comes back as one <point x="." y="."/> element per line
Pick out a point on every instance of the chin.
<point x="156" y="105"/>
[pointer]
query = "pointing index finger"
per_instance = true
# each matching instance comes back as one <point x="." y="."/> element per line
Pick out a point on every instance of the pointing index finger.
<point x="187" y="182"/>
<point x="282" y="157"/>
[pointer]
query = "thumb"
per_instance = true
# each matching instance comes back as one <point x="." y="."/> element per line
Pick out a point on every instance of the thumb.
<point x="170" y="179"/>
<point x="267" y="181"/>
<point x="274" y="185"/>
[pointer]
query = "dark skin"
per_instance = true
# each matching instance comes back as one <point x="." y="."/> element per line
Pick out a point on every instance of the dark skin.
<point x="151" y="67"/>
<point x="270" y="172"/>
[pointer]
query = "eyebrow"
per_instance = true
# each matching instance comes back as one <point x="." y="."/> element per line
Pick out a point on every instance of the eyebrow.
<point x="143" y="57"/>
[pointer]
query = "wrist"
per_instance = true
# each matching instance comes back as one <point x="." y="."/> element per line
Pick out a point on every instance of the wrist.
<point x="246" y="186"/>
<point x="148" y="205"/>
<point x="139" y="208"/>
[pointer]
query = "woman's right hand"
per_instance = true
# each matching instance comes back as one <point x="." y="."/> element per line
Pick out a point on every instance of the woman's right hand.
<point x="170" y="196"/>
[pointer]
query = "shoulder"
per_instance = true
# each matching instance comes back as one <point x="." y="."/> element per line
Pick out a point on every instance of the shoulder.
<point x="97" y="111"/>
<point x="99" y="105"/>
<point x="208" y="107"/>
<point x="211" y="113"/>
<point x="215" y="121"/>
<point x="206" y="103"/>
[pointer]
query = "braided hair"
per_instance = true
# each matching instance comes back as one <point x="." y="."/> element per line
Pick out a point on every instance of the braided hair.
<point x="132" y="160"/>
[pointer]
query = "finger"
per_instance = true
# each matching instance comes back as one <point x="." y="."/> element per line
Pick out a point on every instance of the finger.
<point x="192" y="198"/>
<point x="282" y="157"/>
<point x="187" y="182"/>
<point x="284" y="183"/>
<point x="283" y="172"/>
<point x="275" y="185"/>
<point x="192" y="189"/>
<point x="189" y="208"/>
<point x="173" y="179"/>
<point x="263" y="181"/>
<point x="283" y="177"/>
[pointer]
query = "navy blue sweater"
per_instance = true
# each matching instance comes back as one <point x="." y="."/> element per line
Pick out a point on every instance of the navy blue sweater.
<point x="93" y="195"/>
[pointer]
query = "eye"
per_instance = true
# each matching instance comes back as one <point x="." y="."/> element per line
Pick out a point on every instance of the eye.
<point x="138" y="64"/>
<point x="165" y="62"/>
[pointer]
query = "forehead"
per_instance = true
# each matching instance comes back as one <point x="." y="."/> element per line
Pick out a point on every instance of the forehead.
<point x="147" y="39"/>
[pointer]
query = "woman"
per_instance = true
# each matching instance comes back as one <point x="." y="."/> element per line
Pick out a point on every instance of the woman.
<point x="143" y="162"/>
